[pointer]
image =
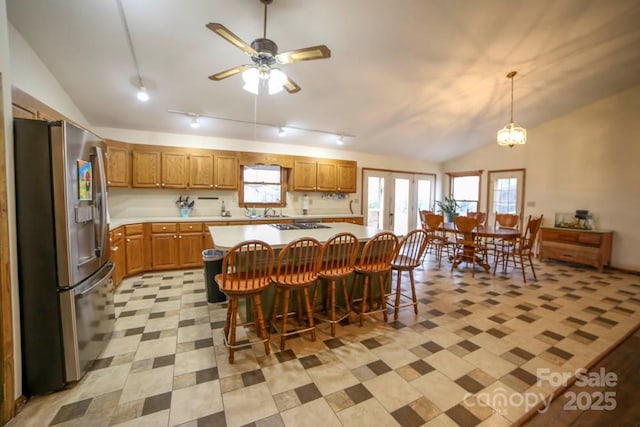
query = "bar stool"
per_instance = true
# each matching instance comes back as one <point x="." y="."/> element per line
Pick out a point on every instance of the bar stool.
<point x="338" y="262"/>
<point x="246" y="272"/>
<point x="296" y="270"/>
<point x="375" y="263"/>
<point x="408" y="257"/>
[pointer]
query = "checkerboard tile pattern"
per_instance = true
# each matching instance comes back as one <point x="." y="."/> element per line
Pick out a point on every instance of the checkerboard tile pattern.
<point x="166" y="364"/>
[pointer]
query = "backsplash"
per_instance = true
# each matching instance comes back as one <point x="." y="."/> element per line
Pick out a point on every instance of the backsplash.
<point x="143" y="203"/>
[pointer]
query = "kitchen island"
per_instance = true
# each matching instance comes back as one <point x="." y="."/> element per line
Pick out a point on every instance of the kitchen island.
<point x="225" y="238"/>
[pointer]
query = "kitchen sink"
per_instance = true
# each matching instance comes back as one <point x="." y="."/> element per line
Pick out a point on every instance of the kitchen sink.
<point x="300" y="226"/>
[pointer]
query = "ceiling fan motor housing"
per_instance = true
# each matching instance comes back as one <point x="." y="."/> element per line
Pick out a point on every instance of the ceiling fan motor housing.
<point x="267" y="50"/>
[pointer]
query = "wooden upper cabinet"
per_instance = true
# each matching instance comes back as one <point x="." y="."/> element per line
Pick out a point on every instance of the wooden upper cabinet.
<point x="346" y="177"/>
<point x="117" y="166"/>
<point x="145" y="168"/>
<point x="174" y="170"/>
<point x="201" y="171"/>
<point x="326" y="176"/>
<point x="304" y="175"/>
<point x="226" y="172"/>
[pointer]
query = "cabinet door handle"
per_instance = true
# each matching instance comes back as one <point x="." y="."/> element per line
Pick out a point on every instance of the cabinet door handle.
<point x="179" y="237"/>
<point x="128" y="240"/>
<point x="157" y="184"/>
<point x="115" y="249"/>
<point x="175" y="237"/>
<point x="163" y="185"/>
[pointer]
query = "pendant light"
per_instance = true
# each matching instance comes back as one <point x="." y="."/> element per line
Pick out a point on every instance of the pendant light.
<point x="512" y="134"/>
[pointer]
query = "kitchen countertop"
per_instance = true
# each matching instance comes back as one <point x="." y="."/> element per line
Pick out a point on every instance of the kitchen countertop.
<point x="117" y="222"/>
<point x="227" y="237"/>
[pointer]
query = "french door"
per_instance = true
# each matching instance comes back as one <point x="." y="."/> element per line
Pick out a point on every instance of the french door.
<point x="393" y="200"/>
<point x="505" y="193"/>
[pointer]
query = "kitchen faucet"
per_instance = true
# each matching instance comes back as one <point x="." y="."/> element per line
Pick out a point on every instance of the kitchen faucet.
<point x="267" y="210"/>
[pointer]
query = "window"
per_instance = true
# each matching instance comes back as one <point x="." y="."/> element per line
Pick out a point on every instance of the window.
<point x="465" y="188"/>
<point x="505" y="192"/>
<point x="504" y="195"/>
<point x="262" y="185"/>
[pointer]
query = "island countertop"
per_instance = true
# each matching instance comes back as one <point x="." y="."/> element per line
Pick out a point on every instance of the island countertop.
<point x="227" y="237"/>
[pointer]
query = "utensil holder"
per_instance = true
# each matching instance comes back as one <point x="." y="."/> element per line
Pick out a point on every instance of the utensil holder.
<point x="185" y="212"/>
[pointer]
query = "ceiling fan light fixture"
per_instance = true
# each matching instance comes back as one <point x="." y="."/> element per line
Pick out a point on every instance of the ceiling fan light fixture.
<point x="143" y="95"/>
<point x="512" y="134"/>
<point x="277" y="80"/>
<point x="251" y="79"/>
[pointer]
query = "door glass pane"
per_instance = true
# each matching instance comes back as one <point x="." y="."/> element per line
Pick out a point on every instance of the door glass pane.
<point x="401" y="207"/>
<point x="466" y="191"/>
<point x="375" y="202"/>
<point x="424" y="197"/>
<point x="505" y="193"/>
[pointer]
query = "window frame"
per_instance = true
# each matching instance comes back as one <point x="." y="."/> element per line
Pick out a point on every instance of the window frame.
<point x="283" y="190"/>
<point x="453" y="175"/>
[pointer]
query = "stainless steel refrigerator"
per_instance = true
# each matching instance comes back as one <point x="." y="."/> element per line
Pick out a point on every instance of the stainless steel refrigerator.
<point x="65" y="286"/>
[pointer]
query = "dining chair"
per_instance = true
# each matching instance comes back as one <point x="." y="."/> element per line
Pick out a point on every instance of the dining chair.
<point x="374" y="264"/>
<point x="246" y="273"/>
<point x="423" y="217"/>
<point x="295" y="271"/>
<point x="437" y="237"/>
<point x="338" y="263"/>
<point x="469" y="248"/>
<point x="480" y="216"/>
<point x="520" y="248"/>
<point x="407" y="258"/>
<point x="502" y="220"/>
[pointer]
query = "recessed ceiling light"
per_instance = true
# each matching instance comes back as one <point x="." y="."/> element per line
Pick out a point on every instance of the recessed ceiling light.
<point x="195" y="123"/>
<point x="282" y="131"/>
<point x="340" y="140"/>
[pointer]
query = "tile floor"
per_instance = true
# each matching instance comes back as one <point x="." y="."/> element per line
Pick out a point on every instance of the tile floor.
<point x="469" y="358"/>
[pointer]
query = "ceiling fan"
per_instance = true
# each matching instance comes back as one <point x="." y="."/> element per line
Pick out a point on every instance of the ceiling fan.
<point x="264" y="54"/>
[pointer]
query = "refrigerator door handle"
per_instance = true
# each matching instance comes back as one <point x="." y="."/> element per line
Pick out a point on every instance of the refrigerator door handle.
<point x="102" y="200"/>
<point x="97" y="283"/>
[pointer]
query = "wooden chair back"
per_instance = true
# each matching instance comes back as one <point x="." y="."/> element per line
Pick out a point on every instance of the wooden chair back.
<point x="480" y="216"/>
<point x="247" y="267"/>
<point x="465" y="226"/>
<point x="531" y="232"/>
<point x="410" y="250"/>
<point x="339" y="255"/>
<point x="423" y="217"/>
<point x="506" y="221"/>
<point x="378" y="252"/>
<point x="298" y="262"/>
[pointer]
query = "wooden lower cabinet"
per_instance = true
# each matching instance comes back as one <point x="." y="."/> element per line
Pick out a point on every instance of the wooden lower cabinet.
<point x="579" y="246"/>
<point x="350" y="219"/>
<point x="116" y="240"/>
<point x="190" y="249"/>
<point x="164" y="251"/>
<point x="134" y="248"/>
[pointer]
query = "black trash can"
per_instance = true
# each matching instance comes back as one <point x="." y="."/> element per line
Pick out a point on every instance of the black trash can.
<point x="213" y="265"/>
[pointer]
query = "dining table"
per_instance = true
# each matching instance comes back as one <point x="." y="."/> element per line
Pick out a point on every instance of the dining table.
<point x="484" y="231"/>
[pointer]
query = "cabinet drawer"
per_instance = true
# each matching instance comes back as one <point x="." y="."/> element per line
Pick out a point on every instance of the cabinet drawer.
<point x="560" y="236"/>
<point x="133" y="229"/>
<point x="573" y="253"/>
<point x="590" y="238"/>
<point x="164" y="227"/>
<point x="186" y="227"/>
<point x="116" y="234"/>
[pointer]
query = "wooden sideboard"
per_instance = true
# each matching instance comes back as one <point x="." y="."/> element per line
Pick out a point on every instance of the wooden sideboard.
<point x="590" y="247"/>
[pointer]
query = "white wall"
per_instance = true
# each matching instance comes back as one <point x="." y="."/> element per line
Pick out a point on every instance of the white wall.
<point x="587" y="159"/>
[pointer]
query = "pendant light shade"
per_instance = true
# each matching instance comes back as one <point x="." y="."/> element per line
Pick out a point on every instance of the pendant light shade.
<point x="512" y="134"/>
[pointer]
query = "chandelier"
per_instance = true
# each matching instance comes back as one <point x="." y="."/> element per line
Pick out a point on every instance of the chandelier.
<point x="512" y="134"/>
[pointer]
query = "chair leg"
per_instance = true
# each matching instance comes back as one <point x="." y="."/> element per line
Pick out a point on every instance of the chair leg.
<point x="232" y="326"/>
<point x="285" y="312"/>
<point x="533" y="270"/>
<point x="524" y="273"/>
<point x="398" y="291"/>
<point x="365" y="287"/>
<point x="262" y="328"/>
<point x="344" y="294"/>
<point x="332" y="304"/>
<point x="309" y="313"/>
<point x="276" y="301"/>
<point x="299" y="307"/>
<point x="413" y="292"/>
<point x="383" y="297"/>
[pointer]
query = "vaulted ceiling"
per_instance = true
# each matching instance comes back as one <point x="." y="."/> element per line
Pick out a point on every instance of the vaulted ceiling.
<point x="419" y="78"/>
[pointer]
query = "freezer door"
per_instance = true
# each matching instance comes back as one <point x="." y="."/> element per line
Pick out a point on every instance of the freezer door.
<point x="80" y="202"/>
<point x="88" y="319"/>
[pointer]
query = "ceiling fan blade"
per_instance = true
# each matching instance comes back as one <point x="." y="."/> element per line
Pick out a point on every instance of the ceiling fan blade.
<point x="226" y="34"/>
<point x="291" y="86"/>
<point x="230" y="72"/>
<point x="304" y="54"/>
